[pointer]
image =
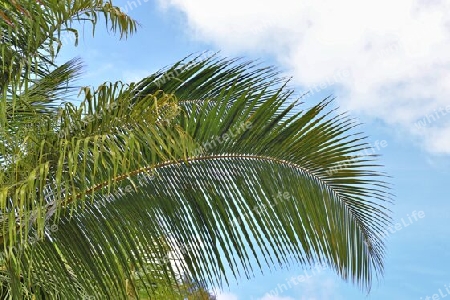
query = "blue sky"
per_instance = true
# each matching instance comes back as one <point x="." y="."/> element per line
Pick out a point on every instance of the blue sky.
<point x="387" y="64"/>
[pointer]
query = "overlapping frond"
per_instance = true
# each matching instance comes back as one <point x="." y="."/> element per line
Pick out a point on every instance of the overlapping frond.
<point x="225" y="174"/>
<point x="31" y="34"/>
<point x="205" y="168"/>
<point x="90" y="149"/>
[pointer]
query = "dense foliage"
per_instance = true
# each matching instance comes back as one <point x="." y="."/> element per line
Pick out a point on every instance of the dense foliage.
<point x="172" y="185"/>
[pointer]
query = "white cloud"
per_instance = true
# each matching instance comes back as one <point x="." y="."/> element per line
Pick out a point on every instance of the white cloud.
<point x="395" y="51"/>
<point x="272" y="297"/>
<point x="226" y="296"/>
<point x="320" y="287"/>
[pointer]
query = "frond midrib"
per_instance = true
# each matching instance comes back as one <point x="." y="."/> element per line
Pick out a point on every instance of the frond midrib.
<point x="304" y="170"/>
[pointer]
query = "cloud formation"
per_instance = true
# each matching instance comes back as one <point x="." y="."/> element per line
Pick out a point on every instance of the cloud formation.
<point x="272" y="297"/>
<point x="226" y="296"/>
<point x="395" y="52"/>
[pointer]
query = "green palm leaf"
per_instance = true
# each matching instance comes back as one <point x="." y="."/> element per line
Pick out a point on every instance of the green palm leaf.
<point x="32" y="32"/>
<point x="205" y="171"/>
<point x="252" y="187"/>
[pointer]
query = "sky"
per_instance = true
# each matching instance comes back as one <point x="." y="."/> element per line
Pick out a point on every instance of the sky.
<point x="386" y="62"/>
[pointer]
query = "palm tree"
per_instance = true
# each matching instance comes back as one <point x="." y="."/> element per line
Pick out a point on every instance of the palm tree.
<point x="199" y="173"/>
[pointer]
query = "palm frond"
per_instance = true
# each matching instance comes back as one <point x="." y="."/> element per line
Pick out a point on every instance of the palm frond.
<point x="32" y="33"/>
<point x="104" y="141"/>
<point x="240" y="178"/>
<point x="346" y="229"/>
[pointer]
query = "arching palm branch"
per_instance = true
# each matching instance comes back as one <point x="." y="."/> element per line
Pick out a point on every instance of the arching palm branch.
<point x="206" y="171"/>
